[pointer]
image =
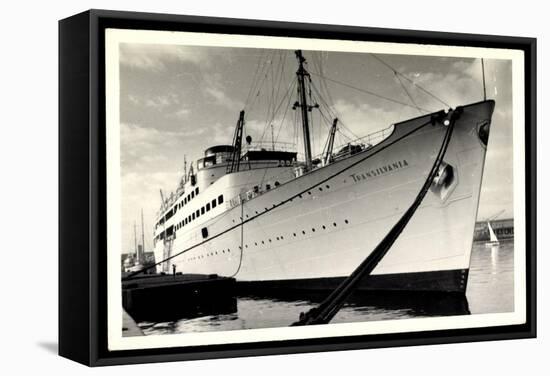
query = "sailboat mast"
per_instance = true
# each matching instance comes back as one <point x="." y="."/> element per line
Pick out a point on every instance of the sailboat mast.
<point x="302" y="74"/>
<point x="142" y="238"/>
<point x="135" y="240"/>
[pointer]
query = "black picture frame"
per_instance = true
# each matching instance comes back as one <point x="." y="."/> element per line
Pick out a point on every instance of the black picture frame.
<point x="82" y="173"/>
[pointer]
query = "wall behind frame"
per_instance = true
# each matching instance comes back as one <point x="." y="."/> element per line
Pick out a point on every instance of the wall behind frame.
<point x="29" y="184"/>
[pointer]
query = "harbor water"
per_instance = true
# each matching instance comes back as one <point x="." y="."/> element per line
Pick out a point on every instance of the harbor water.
<point x="490" y="290"/>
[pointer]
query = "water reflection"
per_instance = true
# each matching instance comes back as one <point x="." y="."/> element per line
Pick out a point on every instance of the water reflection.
<point x="490" y="289"/>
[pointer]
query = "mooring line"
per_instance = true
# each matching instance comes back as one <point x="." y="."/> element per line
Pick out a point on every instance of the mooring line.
<point x="334" y="302"/>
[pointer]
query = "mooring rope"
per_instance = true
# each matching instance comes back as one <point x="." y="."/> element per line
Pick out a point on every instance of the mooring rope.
<point x="433" y="118"/>
<point x="334" y="302"/>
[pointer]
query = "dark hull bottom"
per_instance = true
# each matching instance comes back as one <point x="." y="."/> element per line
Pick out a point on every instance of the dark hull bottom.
<point x="453" y="281"/>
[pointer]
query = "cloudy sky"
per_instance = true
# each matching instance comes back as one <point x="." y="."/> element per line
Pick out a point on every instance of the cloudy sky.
<point x="177" y="100"/>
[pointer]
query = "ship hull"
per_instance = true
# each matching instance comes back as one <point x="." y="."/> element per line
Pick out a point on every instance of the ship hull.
<point x="314" y="230"/>
<point x="442" y="280"/>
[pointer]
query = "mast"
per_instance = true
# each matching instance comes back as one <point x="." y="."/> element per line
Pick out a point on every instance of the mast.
<point x="162" y="202"/>
<point x="330" y="145"/>
<point x="142" y="239"/>
<point x="135" y="240"/>
<point x="185" y="169"/>
<point x="302" y="74"/>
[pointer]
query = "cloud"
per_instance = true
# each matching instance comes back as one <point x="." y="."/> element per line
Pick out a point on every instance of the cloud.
<point x="215" y="90"/>
<point x="160" y="102"/>
<point x="156" y="57"/>
<point x="363" y="118"/>
<point x="147" y="147"/>
<point x="156" y="102"/>
<point x="182" y="113"/>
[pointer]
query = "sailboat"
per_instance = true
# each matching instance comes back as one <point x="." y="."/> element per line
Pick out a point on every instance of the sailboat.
<point x="139" y="255"/>
<point x="273" y="218"/>
<point x="493" y="240"/>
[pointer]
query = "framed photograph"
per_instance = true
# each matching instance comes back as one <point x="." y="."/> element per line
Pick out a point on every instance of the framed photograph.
<point x="240" y="187"/>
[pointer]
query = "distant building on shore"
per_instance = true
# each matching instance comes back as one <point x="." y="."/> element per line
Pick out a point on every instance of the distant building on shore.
<point x="503" y="228"/>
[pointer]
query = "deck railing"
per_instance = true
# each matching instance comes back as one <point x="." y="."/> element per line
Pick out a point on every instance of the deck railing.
<point x="269" y="146"/>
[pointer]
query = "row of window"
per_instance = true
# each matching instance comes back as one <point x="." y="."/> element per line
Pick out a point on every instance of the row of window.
<point x="179" y="205"/>
<point x="269" y="240"/>
<point x="188" y="198"/>
<point x="206" y="208"/>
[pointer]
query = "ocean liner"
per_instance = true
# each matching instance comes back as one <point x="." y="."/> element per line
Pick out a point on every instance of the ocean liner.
<point x="270" y="218"/>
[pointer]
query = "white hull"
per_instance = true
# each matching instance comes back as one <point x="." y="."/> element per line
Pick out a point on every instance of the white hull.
<point x="347" y="208"/>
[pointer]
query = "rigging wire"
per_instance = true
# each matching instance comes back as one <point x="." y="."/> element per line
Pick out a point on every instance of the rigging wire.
<point x="260" y="83"/>
<point x="408" y="94"/>
<point x="268" y="121"/>
<point x="335" y="115"/>
<point x="366" y="91"/>
<point x="254" y="77"/>
<point x="411" y="81"/>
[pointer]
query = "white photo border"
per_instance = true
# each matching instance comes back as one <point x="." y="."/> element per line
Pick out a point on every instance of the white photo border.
<point x="113" y="37"/>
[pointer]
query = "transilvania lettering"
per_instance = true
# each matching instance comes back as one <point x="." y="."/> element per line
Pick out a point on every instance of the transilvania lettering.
<point x="380" y="170"/>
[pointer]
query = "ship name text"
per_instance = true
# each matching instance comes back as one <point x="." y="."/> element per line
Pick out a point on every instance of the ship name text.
<point x="380" y="170"/>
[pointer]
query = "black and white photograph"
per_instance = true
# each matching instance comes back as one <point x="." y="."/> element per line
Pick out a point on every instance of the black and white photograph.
<point x="266" y="188"/>
<point x="275" y="188"/>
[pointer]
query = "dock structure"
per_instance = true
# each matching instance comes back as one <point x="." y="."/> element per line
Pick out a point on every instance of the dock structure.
<point x="175" y="296"/>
